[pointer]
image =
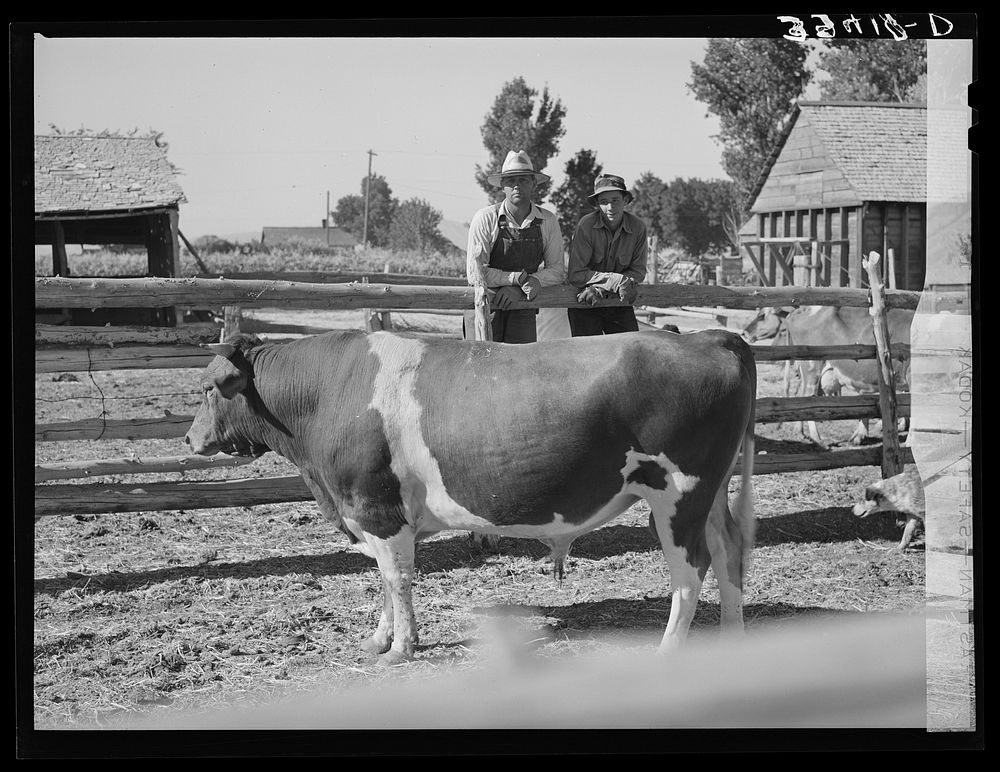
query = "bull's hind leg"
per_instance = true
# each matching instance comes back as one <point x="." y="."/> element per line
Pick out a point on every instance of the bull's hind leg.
<point x="682" y="538"/>
<point x="725" y="543"/>
<point x="395" y="558"/>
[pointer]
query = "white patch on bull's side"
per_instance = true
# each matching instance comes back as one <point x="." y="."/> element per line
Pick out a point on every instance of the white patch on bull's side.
<point x="426" y="502"/>
<point x="428" y="505"/>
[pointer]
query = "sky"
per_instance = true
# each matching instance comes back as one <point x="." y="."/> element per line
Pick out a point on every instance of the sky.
<point x="264" y="129"/>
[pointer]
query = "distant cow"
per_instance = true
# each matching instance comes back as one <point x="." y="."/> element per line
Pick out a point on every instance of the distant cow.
<point x="401" y="437"/>
<point x="833" y="326"/>
<point x="902" y="493"/>
<point x="767" y="324"/>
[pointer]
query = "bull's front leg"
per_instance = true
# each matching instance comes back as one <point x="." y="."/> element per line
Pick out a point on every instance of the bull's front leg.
<point x="381" y="641"/>
<point x="396" y="635"/>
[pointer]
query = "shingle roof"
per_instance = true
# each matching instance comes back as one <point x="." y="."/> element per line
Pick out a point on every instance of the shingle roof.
<point x="317" y="235"/>
<point x="102" y="174"/>
<point x="880" y="147"/>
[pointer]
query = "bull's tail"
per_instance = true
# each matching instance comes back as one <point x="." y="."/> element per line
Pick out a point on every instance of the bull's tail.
<point x="743" y="506"/>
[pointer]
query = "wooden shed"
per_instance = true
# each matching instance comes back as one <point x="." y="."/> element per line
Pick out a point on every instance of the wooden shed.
<point x="103" y="191"/>
<point x="846" y="179"/>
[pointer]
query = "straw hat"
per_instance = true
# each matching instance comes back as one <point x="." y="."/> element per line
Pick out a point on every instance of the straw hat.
<point x="516" y="162"/>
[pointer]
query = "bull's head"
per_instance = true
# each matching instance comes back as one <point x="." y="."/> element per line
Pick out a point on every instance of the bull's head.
<point x="228" y="398"/>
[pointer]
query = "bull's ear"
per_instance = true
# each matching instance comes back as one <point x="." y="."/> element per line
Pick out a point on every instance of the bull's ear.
<point x="225" y="350"/>
<point x="231" y="383"/>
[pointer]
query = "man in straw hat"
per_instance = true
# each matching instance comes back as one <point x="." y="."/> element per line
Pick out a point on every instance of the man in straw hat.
<point x="517" y="246"/>
<point x="607" y="258"/>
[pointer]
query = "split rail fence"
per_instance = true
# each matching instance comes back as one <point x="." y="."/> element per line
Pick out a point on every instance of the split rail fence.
<point x="67" y="349"/>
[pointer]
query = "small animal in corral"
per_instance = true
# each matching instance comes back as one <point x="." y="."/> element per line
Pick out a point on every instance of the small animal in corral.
<point x="902" y="493"/>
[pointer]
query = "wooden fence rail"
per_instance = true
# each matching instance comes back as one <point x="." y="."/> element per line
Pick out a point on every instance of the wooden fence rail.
<point x="98" y="498"/>
<point x="95" y="356"/>
<point x="59" y="292"/>
<point x="769" y="410"/>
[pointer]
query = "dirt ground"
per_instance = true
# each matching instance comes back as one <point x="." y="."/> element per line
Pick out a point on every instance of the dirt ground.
<point x="167" y="618"/>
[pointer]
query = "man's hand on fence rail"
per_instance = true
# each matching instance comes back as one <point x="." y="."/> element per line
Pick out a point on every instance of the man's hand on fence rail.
<point x="628" y="290"/>
<point x="592" y="295"/>
<point x="531" y="287"/>
<point x="505" y="296"/>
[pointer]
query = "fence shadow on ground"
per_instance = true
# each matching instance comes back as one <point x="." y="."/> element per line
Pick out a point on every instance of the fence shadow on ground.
<point x="830" y="526"/>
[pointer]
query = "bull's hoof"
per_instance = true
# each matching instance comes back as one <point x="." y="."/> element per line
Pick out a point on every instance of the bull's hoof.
<point x="375" y="646"/>
<point x="394" y="657"/>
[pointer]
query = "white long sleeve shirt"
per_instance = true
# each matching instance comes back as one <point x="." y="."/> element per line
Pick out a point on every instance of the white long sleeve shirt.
<point x="483" y="232"/>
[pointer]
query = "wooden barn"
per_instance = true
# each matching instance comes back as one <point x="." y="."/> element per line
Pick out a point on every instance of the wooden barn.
<point x="104" y="191"/>
<point x="325" y="236"/>
<point x="846" y="179"/>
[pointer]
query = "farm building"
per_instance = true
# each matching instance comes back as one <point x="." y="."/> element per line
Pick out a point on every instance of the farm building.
<point x="108" y="190"/>
<point x="324" y="235"/>
<point x="846" y="179"/>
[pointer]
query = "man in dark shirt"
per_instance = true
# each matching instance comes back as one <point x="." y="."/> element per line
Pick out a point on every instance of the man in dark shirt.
<point x="607" y="257"/>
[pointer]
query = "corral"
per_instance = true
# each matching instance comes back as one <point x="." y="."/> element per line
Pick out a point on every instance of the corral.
<point x="227" y="588"/>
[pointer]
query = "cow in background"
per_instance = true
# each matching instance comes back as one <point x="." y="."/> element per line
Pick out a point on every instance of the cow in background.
<point x="847" y="325"/>
<point x="831" y="326"/>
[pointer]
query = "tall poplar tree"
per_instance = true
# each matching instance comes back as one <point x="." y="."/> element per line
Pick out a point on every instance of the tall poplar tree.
<point x="514" y="123"/>
<point x="570" y="198"/>
<point x="751" y="85"/>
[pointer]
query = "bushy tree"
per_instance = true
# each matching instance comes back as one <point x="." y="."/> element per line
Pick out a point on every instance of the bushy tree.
<point x="350" y="211"/>
<point x="874" y="70"/>
<point x="213" y="245"/>
<point x="570" y="198"/>
<point x="695" y="214"/>
<point x="648" y="203"/>
<point x="415" y="226"/>
<point x="514" y="124"/>
<point x="752" y="85"/>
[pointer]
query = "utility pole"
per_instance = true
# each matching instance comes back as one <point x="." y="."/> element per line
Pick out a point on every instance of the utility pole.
<point x="368" y="191"/>
<point x="326" y="220"/>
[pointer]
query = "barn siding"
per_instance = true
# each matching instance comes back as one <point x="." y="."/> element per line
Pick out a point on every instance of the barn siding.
<point x="900" y="227"/>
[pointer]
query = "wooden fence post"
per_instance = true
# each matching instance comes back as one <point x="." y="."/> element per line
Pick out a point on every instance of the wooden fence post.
<point x="484" y="330"/>
<point x="231" y="316"/>
<point x="891" y="458"/>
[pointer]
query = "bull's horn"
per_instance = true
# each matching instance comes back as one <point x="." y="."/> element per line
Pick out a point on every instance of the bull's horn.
<point x="221" y="349"/>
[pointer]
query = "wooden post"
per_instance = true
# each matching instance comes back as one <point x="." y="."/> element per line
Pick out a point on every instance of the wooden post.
<point x="890" y="268"/>
<point x="60" y="263"/>
<point x="891" y="457"/>
<point x="814" y="265"/>
<point x="653" y="260"/>
<point x="483" y="328"/>
<point x="231" y="316"/>
<point x="369" y="317"/>
<point x="193" y="251"/>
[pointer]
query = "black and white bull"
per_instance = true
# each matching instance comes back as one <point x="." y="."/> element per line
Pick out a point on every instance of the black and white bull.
<point x="401" y="437"/>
